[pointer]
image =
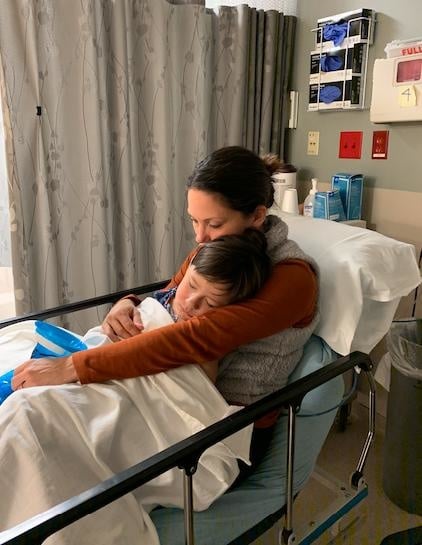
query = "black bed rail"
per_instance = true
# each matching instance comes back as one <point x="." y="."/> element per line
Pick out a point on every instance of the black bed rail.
<point x="82" y="305"/>
<point x="183" y="454"/>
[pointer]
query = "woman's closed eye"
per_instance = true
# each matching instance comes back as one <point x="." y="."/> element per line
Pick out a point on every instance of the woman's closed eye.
<point x="211" y="225"/>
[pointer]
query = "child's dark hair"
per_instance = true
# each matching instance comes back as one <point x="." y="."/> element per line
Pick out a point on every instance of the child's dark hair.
<point x="239" y="176"/>
<point x="239" y="261"/>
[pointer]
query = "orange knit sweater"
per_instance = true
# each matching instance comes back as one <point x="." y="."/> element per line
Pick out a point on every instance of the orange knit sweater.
<point x="288" y="299"/>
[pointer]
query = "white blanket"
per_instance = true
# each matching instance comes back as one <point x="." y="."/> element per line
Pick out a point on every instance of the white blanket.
<point x="57" y="441"/>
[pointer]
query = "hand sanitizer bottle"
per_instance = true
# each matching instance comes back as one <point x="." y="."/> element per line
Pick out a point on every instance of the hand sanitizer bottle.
<point x="308" y="205"/>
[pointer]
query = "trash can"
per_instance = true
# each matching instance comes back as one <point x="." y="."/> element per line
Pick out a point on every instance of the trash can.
<point x="402" y="469"/>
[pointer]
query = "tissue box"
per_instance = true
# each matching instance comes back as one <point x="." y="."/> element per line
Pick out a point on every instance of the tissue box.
<point x="328" y="205"/>
<point x="350" y="187"/>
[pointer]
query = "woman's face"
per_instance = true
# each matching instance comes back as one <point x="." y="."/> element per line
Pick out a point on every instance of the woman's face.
<point x="212" y="218"/>
<point x="195" y="295"/>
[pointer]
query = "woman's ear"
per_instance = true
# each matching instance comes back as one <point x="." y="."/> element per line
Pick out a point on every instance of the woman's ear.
<point x="258" y="216"/>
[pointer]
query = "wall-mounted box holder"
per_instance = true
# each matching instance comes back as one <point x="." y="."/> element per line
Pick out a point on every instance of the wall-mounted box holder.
<point x="339" y="38"/>
<point x="329" y="77"/>
<point x="359" y="28"/>
<point x="351" y="58"/>
<point x="348" y="92"/>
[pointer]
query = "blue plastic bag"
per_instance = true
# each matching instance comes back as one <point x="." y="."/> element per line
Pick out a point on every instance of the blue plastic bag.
<point x="6" y="385"/>
<point x="66" y="342"/>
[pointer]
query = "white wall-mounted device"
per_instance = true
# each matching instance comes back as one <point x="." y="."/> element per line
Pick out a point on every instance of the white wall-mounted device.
<point x="397" y="89"/>
<point x="294" y="102"/>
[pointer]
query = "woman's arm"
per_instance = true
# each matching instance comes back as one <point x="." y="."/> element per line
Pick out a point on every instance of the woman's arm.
<point x="288" y="299"/>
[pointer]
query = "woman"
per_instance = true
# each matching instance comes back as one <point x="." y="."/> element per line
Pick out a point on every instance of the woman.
<point x="258" y="342"/>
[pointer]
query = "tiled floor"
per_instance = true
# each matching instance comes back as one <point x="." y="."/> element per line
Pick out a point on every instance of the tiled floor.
<point x="376" y="516"/>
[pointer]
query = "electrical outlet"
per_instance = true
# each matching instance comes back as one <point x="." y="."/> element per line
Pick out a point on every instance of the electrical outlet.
<point x="313" y="142"/>
<point x="350" y="145"/>
<point x="379" y="144"/>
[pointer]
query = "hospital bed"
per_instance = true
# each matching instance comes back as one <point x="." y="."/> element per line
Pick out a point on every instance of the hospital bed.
<point x="363" y="277"/>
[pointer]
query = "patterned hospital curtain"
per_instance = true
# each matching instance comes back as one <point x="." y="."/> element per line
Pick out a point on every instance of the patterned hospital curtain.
<point x="108" y="106"/>
<point x="252" y="58"/>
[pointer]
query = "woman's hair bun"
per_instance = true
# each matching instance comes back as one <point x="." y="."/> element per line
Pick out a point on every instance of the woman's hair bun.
<point x="272" y="162"/>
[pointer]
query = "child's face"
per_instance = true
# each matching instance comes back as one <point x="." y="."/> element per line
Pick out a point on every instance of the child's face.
<point x="195" y="295"/>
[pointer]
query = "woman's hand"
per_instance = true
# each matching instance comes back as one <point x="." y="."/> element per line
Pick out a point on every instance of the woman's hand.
<point x="43" y="371"/>
<point x="123" y="321"/>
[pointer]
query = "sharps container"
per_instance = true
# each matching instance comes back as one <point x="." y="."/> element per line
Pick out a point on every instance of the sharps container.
<point x="402" y="469"/>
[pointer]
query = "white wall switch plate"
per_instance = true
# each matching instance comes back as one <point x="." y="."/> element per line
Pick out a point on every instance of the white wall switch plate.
<point x="313" y="142"/>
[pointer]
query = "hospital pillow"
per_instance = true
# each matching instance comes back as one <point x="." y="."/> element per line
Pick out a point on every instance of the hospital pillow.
<point x="363" y="276"/>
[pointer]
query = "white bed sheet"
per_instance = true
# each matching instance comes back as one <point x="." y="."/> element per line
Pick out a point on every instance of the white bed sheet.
<point x="57" y="441"/>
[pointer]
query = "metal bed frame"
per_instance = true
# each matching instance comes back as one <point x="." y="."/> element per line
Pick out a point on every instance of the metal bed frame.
<point x="185" y="454"/>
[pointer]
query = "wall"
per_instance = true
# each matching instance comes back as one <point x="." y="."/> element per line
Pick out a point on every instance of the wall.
<point x="393" y="187"/>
